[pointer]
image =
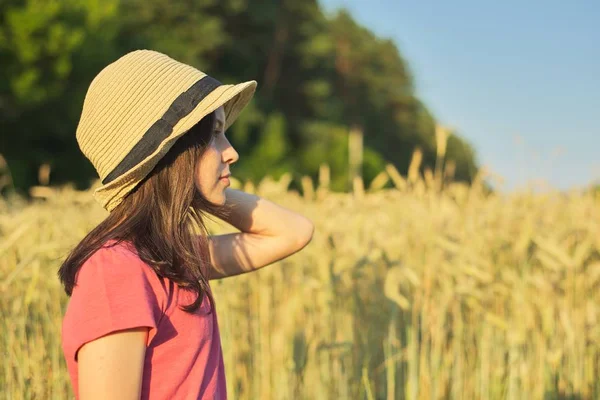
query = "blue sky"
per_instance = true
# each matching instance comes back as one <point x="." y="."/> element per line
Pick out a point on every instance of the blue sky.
<point x="520" y="80"/>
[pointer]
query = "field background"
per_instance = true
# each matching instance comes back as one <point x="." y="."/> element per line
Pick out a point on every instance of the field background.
<point x="413" y="292"/>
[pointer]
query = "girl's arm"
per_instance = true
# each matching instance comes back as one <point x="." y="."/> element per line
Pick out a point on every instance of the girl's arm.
<point x="111" y="367"/>
<point x="269" y="232"/>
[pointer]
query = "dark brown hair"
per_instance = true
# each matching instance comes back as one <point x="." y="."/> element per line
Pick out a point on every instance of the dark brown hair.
<point x="163" y="217"/>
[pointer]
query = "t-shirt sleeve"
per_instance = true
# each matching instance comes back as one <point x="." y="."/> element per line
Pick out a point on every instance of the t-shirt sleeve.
<point x="113" y="292"/>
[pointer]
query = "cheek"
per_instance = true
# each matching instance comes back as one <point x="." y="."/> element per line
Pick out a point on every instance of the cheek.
<point x="197" y="176"/>
<point x="199" y="172"/>
<point x="206" y="167"/>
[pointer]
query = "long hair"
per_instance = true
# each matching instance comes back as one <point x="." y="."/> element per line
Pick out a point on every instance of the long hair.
<point x="159" y="218"/>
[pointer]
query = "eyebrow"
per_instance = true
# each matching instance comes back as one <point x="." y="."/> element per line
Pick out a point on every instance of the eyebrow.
<point x="219" y="124"/>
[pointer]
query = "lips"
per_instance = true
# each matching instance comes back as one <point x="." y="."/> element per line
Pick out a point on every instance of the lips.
<point x="225" y="176"/>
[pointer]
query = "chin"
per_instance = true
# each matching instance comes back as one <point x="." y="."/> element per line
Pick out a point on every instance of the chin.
<point x="220" y="200"/>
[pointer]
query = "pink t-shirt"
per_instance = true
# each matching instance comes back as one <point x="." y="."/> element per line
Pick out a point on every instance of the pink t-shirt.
<point x="116" y="290"/>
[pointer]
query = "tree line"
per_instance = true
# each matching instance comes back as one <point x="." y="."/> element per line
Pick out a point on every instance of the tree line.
<point x="319" y="76"/>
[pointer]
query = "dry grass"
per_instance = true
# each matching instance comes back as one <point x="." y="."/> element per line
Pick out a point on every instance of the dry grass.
<point x="403" y="293"/>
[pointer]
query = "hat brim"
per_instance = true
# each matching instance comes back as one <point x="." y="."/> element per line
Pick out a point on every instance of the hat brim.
<point x="233" y="98"/>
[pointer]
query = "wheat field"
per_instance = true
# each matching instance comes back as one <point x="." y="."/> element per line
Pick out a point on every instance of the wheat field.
<point x="409" y="292"/>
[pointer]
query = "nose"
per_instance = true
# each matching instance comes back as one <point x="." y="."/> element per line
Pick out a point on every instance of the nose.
<point x="230" y="155"/>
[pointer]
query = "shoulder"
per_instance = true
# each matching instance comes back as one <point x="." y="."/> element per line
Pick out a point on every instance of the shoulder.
<point x="114" y="290"/>
<point x="116" y="270"/>
<point x="114" y="261"/>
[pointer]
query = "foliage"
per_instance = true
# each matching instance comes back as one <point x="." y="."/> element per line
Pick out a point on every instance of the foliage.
<point x="315" y="73"/>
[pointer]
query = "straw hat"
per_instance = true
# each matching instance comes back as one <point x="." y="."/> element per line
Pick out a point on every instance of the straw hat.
<point x="137" y="107"/>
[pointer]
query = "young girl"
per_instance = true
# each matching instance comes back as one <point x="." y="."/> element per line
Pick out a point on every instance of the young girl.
<point x="141" y="320"/>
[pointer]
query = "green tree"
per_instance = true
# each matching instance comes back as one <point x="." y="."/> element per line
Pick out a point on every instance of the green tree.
<point x="44" y="80"/>
<point x="318" y="77"/>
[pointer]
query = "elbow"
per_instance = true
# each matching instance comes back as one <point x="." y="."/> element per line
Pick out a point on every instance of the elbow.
<point x="305" y="233"/>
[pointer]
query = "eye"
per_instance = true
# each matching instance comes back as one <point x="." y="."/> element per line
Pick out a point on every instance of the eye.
<point x="217" y="132"/>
